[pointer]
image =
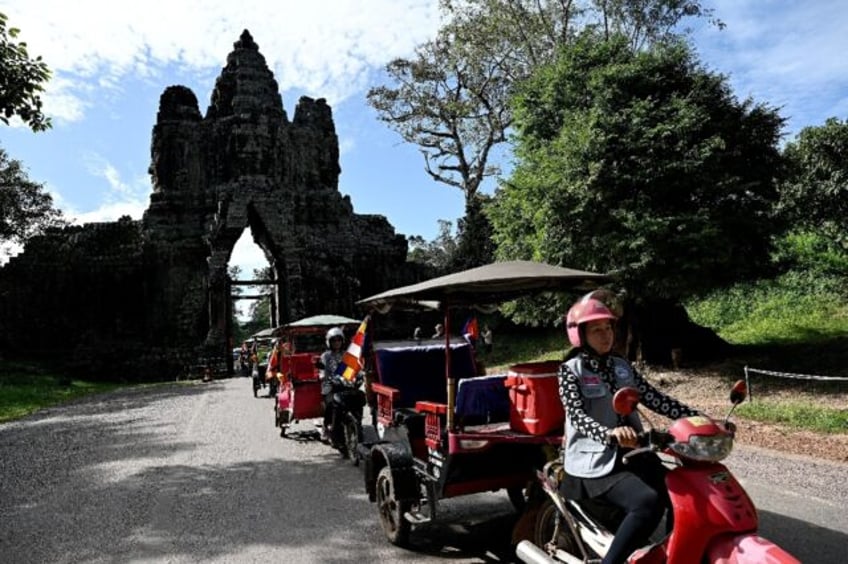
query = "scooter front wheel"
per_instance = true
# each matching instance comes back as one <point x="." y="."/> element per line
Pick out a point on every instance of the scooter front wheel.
<point x="352" y="432"/>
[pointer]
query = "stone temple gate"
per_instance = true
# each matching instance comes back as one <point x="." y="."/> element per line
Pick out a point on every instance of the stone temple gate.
<point x="151" y="298"/>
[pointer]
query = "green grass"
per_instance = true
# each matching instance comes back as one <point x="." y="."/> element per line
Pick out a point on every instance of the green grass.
<point x="531" y="346"/>
<point x="795" y="323"/>
<point x="794" y="308"/>
<point x="798" y="415"/>
<point x="26" y="388"/>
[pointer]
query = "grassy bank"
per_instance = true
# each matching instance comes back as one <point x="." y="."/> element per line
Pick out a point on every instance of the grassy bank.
<point x="793" y="324"/>
<point x="797" y="415"/>
<point x="26" y="388"/>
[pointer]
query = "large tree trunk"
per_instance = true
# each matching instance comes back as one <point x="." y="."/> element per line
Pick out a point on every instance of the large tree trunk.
<point x="661" y="333"/>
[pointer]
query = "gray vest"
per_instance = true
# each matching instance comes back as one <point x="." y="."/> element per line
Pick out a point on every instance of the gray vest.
<point x="585" y="457"/>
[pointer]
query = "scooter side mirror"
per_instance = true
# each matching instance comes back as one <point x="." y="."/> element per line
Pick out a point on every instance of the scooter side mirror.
<point x="738" y="392"/>
<point x="625" y="400"/>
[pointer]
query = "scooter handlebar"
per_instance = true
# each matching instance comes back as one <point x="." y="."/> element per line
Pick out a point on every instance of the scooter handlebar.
<point x="648" y="441"/>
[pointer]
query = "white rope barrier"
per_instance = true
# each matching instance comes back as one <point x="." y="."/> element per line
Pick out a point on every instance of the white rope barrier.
<point x="791" y="376"/>
<point x="798" y="376"/>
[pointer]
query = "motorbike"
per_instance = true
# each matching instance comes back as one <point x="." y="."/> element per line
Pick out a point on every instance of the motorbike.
<point x="714" y="519"/>
<point x="257" y="377"/>
<point x="347" y="405"/>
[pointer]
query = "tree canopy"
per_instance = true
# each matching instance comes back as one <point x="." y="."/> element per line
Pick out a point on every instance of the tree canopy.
<point x="451" y="98"/>
<point x="640" y="163"/>
<point x="21" y="80"/>
<point x="815" y="193"/>
<point x="25" y="208"/>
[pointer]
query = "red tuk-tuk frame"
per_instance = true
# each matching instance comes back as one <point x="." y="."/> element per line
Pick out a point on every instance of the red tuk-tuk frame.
<point x="423" y="448"/>
<point x="299" y="392"/>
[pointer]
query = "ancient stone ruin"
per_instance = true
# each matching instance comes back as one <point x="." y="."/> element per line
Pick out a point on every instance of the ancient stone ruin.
<point x="150" y="299"/>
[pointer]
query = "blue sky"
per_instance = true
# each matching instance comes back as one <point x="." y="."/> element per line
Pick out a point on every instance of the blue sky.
<point x="112" y="60"/>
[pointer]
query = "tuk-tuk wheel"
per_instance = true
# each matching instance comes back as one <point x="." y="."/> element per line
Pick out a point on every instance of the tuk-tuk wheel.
<point x="392" y="510"/>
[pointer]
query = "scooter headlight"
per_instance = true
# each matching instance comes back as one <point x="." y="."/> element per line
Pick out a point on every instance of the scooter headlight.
<point x="711" y="448"/>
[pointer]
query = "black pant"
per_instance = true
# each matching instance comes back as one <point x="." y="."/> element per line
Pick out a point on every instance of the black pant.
<point x="328" y="411"/>
<point x="642" y="494"/>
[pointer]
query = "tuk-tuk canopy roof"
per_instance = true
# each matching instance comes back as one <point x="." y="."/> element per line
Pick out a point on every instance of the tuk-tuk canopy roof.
<point x="490" y="284"/>
<point x="315" y="322"/>
<point x="263" y="334"/>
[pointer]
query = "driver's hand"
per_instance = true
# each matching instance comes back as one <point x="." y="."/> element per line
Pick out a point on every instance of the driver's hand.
<point x="625" y="436"/>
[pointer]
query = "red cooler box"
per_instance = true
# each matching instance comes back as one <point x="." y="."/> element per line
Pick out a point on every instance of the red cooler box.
<point x="535" y="406"/>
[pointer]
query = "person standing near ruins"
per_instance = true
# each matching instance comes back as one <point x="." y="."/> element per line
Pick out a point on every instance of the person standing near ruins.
<point x="486" y="335"/>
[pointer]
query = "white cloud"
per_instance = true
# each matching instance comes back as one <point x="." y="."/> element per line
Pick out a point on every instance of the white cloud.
<point x="787" y="54"/>
<point x="109" y="212"/>
<point x="324" y="48"/>
<point x="121" y="198"/>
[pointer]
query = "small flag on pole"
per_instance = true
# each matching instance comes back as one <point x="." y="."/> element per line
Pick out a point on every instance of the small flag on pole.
<point x="352" y="360"/>
<point x="471" y="330"/>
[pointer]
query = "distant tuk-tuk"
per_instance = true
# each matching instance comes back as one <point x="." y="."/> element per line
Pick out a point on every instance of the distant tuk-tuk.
<point x="299" y="389"/>
<point x="443" y="430"/>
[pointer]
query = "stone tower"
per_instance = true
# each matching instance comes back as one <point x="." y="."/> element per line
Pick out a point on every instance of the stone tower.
<point x="164" y="293"/>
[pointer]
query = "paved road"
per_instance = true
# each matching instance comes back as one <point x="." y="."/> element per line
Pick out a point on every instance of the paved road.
<point x="197" y="473"/>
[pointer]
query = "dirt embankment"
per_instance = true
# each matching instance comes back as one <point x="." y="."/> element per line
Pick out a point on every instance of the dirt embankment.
<point x="708" y="389"/>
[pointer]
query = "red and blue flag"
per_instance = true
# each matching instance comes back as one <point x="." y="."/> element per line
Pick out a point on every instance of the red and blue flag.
<point x="353" y="360"/>
<point x="471" y="330"/>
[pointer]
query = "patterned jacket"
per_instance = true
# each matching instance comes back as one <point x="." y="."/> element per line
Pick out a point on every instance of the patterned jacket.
<point x="586" y="386"/>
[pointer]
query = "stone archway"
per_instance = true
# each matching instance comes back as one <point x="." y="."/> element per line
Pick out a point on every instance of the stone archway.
<point x="156" y="289"/>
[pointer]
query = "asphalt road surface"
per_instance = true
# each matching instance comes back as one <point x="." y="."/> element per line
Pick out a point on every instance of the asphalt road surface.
<point x="198" y="473"/>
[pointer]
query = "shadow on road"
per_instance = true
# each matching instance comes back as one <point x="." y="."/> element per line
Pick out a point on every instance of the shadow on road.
<point x="191" y="473"/>
<point x="804" y="541"/>
<point x="117" y="477"/>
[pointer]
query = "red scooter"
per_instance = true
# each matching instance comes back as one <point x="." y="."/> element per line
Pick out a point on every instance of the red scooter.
<point x="714" y="519"/>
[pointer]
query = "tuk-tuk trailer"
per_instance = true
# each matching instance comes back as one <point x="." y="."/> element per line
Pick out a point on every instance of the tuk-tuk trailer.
<point x="299" y="390"/>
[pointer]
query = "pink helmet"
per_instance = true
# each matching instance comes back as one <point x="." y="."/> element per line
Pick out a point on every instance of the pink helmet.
<point x="586" y="309"/>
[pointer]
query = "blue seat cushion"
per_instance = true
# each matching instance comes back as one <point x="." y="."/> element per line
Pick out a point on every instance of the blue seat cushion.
<point x="418" y="371"/>
<point x="483" y="399"/>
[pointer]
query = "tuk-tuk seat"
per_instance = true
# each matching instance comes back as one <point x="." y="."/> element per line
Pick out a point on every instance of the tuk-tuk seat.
<point x="417" y="371"/>
<point x="482" y="400"/>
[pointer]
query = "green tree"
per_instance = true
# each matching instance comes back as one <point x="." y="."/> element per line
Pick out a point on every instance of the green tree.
<point x="475" y="246"/>
<point x="815" y="193"/>
<point x="644" y="23"/>
<point x="21" y="80"/>
<point x="641" y="163"/>
<point x="439" y="253"/>
<point x="260" y="309"/>
<point x="26" y="209"/>
<point x="452" y="98"/>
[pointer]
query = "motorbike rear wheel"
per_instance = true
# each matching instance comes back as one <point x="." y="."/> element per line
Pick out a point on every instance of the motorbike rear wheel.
<point x="392" y="510"/>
